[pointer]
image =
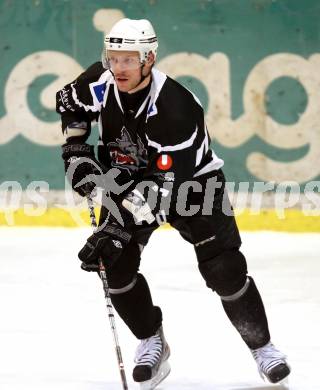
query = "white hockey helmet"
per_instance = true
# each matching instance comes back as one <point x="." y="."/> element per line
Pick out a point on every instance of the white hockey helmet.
<point x="132" y="35"/>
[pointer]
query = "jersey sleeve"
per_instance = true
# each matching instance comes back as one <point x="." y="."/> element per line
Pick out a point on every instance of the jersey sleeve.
<point x="79" y="102"/>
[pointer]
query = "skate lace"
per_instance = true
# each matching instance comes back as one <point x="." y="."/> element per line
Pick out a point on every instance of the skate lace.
<point x="267" y="358"/>
<point x="149" y="351"/>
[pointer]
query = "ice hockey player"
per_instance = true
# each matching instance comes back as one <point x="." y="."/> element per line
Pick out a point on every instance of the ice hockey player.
<point x="152" y="130"/>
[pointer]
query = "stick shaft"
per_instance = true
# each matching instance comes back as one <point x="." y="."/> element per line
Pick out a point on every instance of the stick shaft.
<point x="103" y="277"/>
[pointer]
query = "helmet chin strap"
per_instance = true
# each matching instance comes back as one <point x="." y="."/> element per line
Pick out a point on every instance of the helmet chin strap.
<point x="142" y="77"/>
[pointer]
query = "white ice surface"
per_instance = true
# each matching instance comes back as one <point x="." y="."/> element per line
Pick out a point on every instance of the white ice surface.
<point x="55" y="334"/>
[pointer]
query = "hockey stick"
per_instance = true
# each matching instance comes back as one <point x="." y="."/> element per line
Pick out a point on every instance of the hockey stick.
<point x="103" y="277"/>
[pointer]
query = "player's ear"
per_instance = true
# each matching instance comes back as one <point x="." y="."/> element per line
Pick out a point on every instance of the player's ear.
<point x="150" y="59"/>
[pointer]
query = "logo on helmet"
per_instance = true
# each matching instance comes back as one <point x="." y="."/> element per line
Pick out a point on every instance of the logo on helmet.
<point x="116" y="40"/>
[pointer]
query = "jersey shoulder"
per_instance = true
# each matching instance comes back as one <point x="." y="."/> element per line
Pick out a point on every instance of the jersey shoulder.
<point x="91" y="74"/>
<point x="184" y="97"/>
<point x="86" y="92"/>
<point x="179" y="114"/>
<point x="92" y="83"/>
<point x="179" y="104"/>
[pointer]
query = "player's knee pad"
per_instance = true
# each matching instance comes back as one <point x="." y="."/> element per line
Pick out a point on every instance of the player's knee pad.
<point x="225" y="273"/>
<point x="121" y="283"/>
<point x="122" y="275"/>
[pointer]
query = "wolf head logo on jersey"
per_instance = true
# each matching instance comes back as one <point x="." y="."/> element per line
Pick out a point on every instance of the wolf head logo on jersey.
<point x="125" y="154"/>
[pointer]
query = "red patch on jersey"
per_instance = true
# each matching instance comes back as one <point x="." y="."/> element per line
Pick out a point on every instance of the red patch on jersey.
<point x="120" y="158"/>
<point x="164" y="162"/>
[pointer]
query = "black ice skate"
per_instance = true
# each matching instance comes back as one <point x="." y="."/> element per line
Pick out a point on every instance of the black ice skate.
<point x="152" y="361"/>
<point x="271" y="363"/>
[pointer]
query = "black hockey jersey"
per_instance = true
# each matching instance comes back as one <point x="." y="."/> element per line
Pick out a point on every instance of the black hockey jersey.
<point x="165" y="140"/>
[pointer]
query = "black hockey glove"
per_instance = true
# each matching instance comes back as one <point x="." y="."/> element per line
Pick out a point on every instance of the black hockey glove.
<point x="106" y="244"/>
<point x="79" y="163"/>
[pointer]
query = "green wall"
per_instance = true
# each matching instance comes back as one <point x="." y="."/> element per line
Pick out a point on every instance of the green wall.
<point x="254" y="64"/>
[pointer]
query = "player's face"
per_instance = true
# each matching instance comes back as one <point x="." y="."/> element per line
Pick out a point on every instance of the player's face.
<point x="126" y="67"/>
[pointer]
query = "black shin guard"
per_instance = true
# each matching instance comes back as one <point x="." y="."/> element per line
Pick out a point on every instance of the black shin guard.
<point x="136" y="309"/>
<point x="248" y="316"/>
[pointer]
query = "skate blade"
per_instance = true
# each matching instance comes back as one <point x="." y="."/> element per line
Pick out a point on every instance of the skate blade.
<point x="281" y="385"/>
<point x="285" y="382"/>
<point x="151" y="384"/>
